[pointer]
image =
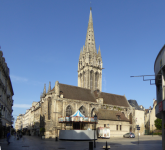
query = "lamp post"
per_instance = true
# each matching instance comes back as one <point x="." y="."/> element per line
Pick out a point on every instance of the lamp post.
<point x="152" y="130"/>
<point x="95" y="118"/>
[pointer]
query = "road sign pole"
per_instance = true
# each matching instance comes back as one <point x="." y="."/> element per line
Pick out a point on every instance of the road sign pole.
<point x="138" y="136"/>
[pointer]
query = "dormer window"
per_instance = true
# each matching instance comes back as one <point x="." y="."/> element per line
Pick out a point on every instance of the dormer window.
<point x="118" y="117"/>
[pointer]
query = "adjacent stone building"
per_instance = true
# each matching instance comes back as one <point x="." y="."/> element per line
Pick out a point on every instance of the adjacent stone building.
<point x="150" y="118"/>
<point x="137" y="118"/>
<point x="19" y="122"/>
<point x="6" y="100"/>
<point x="31" y="120"/>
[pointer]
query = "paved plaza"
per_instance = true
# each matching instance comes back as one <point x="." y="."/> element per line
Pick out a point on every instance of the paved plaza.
<point x="36" y="143"/>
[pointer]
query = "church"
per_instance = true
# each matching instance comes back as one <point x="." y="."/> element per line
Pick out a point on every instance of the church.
<point x="113" y="111"/>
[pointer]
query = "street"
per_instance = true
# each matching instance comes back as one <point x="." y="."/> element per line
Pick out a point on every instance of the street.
<point x="35" y="143"/>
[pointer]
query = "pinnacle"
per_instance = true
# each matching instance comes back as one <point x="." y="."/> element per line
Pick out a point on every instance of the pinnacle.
<point x="99" y="52"/>
<point x="80" y="53"/>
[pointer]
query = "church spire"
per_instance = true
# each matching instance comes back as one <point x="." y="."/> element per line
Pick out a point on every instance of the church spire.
<point x="90" y="62"/>
<point x="90" y="39"/>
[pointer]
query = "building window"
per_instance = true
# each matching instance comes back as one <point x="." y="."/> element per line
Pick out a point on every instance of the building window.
<point x="104" y="125"/>
<point x="120" y="128"/>
<point x="81" y="78"/>
<point x="91" y="80"/>
<point x="118" y="117"/>
<point x="96" y="81"/>
<point x="93" y="112"/>
<point x="116" y="127"/>
<point x="49" y="108"/>
<point x="68" y="111"/>
<point x="82" y="110"/>
<point x="84" y="79"/>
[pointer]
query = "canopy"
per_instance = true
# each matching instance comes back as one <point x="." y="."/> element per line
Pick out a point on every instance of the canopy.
<point x="78" y="114"/>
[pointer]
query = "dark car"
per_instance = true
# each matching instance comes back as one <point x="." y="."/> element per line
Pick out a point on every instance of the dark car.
<point x="129" y="135"/>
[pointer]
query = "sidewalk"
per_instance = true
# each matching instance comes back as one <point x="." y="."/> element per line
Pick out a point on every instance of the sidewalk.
<point x="36" y="143"/>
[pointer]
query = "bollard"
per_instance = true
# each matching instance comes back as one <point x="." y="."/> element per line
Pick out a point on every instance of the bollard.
<point x="90" y="145"/>
<point x="56" y="138"/>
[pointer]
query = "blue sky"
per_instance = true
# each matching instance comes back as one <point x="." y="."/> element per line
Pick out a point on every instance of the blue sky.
<point x="41" y="42"/>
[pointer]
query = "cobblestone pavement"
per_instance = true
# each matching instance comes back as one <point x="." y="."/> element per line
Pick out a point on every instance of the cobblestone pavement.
<point x="36" y="143"/>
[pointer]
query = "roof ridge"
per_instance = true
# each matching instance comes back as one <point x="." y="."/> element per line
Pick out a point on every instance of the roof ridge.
<point x="112" y="94"/>
<point x="74" y="86"/>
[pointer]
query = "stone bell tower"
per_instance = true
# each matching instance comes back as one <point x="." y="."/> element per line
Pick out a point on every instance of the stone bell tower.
<point x="90" y="62"/>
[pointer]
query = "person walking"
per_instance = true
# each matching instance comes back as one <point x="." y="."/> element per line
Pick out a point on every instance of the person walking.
<point x="8" y="137"/>
<point x="15" y="135"/>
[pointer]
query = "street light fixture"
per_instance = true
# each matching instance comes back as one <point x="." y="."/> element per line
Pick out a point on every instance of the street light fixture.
<point x="95" y="118"/>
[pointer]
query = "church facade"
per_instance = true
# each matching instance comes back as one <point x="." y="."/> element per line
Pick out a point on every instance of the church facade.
<point x="112" y="110"/>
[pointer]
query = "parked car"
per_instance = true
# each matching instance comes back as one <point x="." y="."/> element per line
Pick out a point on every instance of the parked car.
<point x="129" y="135"/>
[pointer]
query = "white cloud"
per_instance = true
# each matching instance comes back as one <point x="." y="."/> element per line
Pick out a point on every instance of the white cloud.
<point x="22" y="105"/>
<point x="17" y="78"/>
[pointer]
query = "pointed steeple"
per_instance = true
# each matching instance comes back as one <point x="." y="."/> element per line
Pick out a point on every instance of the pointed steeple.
<point x="90" y="39"/>
<point x="99" y="52"/>
<point x="44" y="92"/>
<point x="49" y="89"/>
<point x="90" y="60"/>
<point x="80" y="54"/>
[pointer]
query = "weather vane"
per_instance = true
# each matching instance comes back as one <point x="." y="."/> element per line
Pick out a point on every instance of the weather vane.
<point x="90" y="5"/>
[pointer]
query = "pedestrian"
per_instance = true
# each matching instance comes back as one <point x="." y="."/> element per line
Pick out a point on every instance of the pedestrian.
<point x="20" y="134"/>
<point x="8" y="137"/>
<point x="15" y="135"/>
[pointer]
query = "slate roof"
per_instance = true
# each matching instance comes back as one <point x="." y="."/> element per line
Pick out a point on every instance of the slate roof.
<point x="78" y="93"/>
<point x="134" y="103"/>
<point x="111" y="115"/>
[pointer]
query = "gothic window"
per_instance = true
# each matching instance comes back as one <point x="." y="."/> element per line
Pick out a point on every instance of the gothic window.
<point x="93" y="112"/>
<point x="84" y="79"/>
<point x="91" y="80"/>
<point x="82" y="110"/>
<point x="96" y="80"/>
<point x="49" y="108"/>
<point x="81" y="80"/>
<point x="68" y="111"/>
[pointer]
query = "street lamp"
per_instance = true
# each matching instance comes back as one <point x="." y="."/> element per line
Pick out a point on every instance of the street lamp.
<point x="152" y="130"/>
<point x="95" y="118"/>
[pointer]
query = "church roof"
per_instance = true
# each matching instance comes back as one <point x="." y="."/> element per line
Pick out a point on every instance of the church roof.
<point x="78" y="93"/>
<point x="104" y="114"/>
<point x="114" y="99"/>
<point x="134" y="103"/>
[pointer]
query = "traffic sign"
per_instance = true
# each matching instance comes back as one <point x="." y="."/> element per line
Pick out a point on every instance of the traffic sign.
<point x="138" y="128"/>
